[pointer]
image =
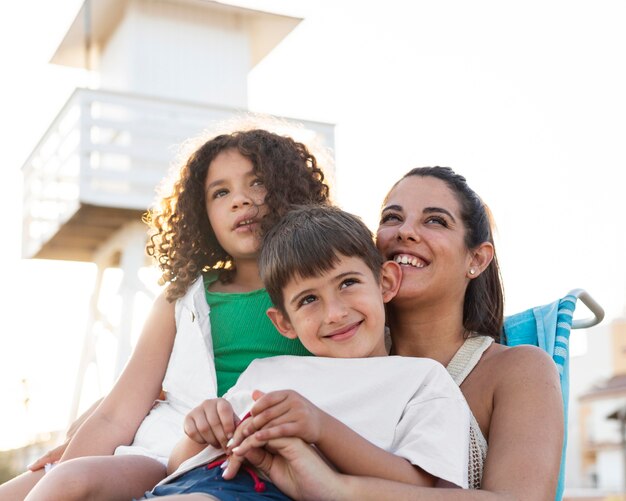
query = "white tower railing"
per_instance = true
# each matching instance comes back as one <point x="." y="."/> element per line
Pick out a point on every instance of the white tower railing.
<point x="93" y="174"/>
<point x="106" y="150"/>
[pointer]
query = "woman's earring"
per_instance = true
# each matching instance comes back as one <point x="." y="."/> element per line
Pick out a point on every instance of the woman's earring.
<point x="472" y="271"/>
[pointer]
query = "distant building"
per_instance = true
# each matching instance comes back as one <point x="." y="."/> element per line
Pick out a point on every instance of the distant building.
<point x="600" y="414"/>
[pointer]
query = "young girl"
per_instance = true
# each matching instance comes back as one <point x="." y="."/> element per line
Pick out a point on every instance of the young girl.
<point x="206" y="241"/>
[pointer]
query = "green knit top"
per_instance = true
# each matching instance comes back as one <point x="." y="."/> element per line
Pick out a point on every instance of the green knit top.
<point x="241" y="332"/>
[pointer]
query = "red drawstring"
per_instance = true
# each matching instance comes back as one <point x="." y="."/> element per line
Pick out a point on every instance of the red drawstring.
<point x="259" y="485"/>
<point x="215" y="464"/>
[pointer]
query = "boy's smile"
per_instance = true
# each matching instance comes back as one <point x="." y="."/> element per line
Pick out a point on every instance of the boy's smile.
<point x="340" y="312"/>
<point x="344" y="332"/>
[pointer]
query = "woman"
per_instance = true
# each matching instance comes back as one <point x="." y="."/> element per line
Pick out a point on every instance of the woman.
<point x="450" y="308"/>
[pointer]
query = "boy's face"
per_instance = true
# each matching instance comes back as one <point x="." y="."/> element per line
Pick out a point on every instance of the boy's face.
<point x="341" y="312"/>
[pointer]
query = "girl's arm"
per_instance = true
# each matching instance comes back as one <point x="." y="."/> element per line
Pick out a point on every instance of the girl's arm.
<point x="116" y="420"/>
<point x="286" y="413"/>
<point x="525" y="440"/>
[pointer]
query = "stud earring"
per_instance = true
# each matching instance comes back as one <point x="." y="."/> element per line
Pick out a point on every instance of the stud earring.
<point x="472" y="271"/>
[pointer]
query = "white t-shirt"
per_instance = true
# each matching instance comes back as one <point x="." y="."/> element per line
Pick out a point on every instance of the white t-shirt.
<point x="407" y="406"/>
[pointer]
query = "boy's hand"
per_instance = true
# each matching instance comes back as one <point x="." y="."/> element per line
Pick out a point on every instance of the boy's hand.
<point x="213" y="422"/>
<point x="281" y="414"/>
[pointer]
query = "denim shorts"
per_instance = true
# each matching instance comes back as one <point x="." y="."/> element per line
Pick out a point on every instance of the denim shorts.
<point x="210" y="481"/>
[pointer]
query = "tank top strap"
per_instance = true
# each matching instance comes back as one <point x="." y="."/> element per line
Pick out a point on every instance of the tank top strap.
<point x="466" y="358"/>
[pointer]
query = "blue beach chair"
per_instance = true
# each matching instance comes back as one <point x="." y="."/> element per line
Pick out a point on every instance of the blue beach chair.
<point x="549" y="328"/>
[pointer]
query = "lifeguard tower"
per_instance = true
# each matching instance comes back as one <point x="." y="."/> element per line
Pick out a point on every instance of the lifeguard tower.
<point x="165" y="70"/>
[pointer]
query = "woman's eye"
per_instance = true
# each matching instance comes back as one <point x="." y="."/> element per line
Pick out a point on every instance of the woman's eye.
<point x="437" y="220"/>
<point x="257" y="182"/>
<point x="388" y="217"/>
<point x="307" y="300"/>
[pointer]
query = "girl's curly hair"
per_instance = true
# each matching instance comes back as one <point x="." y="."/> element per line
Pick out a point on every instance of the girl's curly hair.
<point x="183" y="242"/>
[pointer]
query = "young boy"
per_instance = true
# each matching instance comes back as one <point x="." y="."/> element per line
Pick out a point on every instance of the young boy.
<point x="367" y="413"/>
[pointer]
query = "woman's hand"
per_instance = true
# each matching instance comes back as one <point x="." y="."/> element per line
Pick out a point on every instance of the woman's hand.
<point x="296" y="469"/>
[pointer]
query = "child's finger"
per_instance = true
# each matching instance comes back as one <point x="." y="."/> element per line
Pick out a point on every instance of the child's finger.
<point x="243" y="429"/>
<point x="227" y="418"/>
<point x="207" y="423"/>
<point x="267" y="400"/>
<point x="280" y="431"/>
<point x="191" y="429"/>
<point x="269" y="408"/>
<point x="217" y="430"/>
<point x="277" y="414"/>
<point x="206" y="435"/>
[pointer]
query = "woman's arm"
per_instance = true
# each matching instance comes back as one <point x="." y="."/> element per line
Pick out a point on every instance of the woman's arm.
<point x="116" y="420"/>
<point x="526" y="430"/>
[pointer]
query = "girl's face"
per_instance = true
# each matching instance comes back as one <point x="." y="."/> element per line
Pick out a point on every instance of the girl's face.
<point x="421" y="228"/>
<point x="235" y="204"/>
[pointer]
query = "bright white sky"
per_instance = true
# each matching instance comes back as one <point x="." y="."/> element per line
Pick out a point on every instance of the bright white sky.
<point x="526" y="99"/>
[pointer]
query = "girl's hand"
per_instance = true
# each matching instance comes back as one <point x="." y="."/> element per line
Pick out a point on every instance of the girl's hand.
<point x="50" y="457"/>
<point x="213" y="422"/>
<point x="284" y="413"/>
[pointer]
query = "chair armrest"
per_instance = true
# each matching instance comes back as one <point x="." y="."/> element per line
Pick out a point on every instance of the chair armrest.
<point x="594" y="307"/>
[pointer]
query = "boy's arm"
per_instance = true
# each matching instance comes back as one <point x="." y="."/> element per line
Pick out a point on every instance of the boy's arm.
<point x="287" y="414"/>
<point x="184" y="449"/>
<point x="354" y="455"/>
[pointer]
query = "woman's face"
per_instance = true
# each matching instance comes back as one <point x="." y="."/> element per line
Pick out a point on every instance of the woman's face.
<point x="421" y="228"/>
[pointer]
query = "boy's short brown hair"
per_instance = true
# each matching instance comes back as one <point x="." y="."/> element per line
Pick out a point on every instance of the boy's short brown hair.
<point x="308" y="241"/>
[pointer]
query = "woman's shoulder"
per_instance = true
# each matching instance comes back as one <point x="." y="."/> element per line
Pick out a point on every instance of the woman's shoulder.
<point x="508" y="383"/>
<point x="519" y="364"/>
<point x="524" y="354"/>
